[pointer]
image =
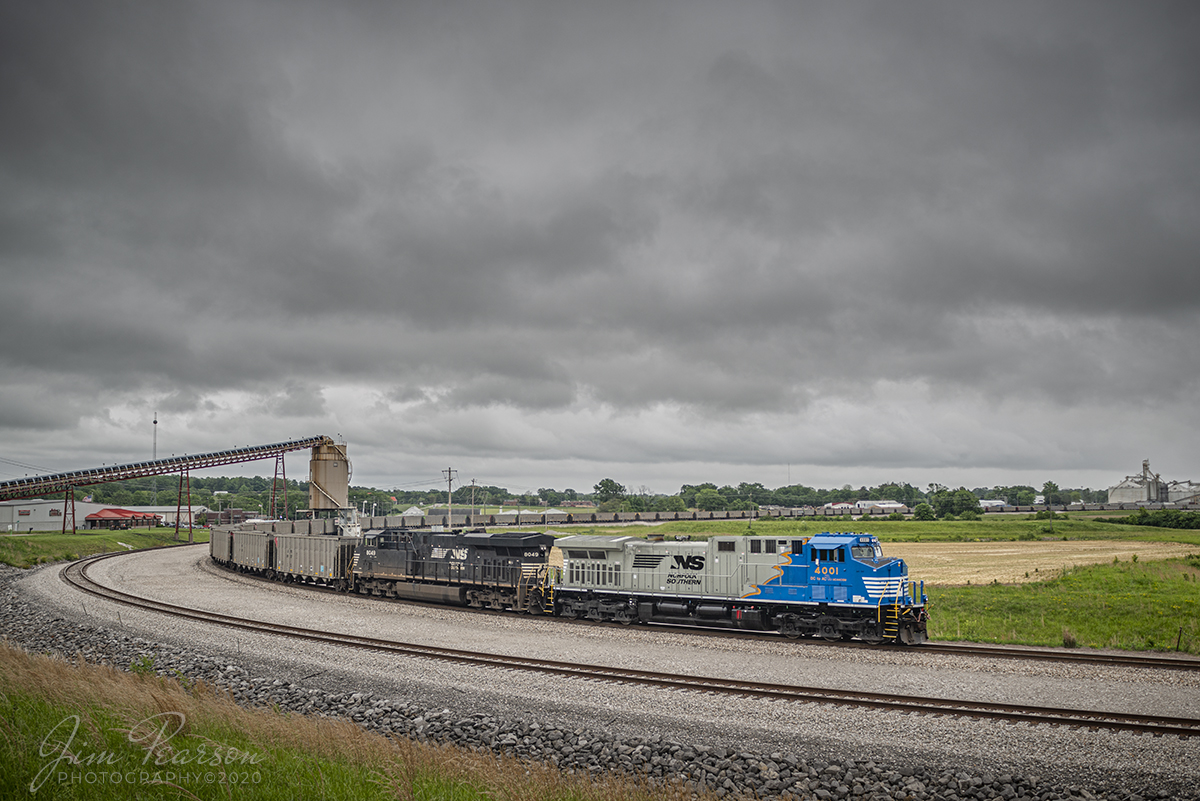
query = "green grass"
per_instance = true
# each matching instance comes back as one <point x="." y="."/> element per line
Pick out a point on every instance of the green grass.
<point x="27" y="550"/>
<point x="117" y="758"/>
<point x="1137" y="606"/>
<point x="994" y="528"/>
<point x="92" y="732"/>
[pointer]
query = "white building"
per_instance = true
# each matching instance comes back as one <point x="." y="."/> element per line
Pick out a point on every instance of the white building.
<point x="1183" y="492"/>
<point x="894" y="506"/>
<point x="39" y="514"/>
<point x="1145" y="488"/>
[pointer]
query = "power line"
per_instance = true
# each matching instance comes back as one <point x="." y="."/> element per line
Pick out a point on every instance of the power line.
<point x="435" y="480"/>
<point x="27" y="466"/>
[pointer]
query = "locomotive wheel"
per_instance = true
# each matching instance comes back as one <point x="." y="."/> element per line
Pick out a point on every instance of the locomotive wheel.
<point x="827" y="628"/>
<point x="533" y="602"/>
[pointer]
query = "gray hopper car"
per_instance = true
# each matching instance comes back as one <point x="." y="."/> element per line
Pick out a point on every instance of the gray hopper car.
<point x="251" y="550"/>
<point x="221" y="545"/>
<point x="314" y="559"/>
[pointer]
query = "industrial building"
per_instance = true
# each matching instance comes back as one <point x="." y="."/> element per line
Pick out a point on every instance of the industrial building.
<point x="39" y="514"/>
<point x="1148" y="487"/>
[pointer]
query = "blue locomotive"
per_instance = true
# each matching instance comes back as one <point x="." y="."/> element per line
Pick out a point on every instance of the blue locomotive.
<point x="834" y="586"/>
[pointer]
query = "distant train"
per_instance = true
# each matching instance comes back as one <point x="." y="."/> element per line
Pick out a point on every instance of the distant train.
<point x="832" y="586"/>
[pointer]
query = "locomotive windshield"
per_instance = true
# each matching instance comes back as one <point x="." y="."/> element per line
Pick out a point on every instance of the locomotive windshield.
<point x="866" y="553"/>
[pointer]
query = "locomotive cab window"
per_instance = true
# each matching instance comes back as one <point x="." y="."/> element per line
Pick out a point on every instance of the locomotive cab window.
<point x="866" y="553"/>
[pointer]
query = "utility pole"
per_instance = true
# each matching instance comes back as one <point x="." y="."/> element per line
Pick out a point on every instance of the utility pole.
<point x="473" y="495"/>
<point x="449" y="474"/>
<point x="154" y="481"/>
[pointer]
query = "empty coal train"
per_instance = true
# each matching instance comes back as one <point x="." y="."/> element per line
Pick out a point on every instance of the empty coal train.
<point x="832" y="586"/>
<point x="495" y="571"/>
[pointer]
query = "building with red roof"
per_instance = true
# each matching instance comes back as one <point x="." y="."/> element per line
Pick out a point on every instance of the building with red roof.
<point x="121" y="518"/>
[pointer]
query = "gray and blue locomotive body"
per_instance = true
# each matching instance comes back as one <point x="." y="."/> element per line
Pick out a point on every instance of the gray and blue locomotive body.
<point x="835" y="586"/>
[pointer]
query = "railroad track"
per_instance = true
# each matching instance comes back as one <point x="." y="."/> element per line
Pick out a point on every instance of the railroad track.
<point x="1062" y="655"/>
<point x="76" y="575"/>
<point x="1059" y="655"/>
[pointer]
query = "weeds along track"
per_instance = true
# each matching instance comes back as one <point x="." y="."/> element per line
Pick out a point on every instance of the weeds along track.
<point x="76" y="575"/>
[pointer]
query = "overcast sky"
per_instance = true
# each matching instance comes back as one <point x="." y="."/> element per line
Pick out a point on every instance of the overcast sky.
<point x="546" y="243"/>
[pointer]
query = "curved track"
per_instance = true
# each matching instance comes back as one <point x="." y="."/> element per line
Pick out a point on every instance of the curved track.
<point x="1042" y="654"/>
<point x="76" y="575"/>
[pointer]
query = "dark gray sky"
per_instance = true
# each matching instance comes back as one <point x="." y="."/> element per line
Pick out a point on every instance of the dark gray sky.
<point x="546" y="243"/>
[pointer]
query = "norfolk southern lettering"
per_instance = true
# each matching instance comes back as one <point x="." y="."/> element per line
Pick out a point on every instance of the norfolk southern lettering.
<point x="694" y="562"/>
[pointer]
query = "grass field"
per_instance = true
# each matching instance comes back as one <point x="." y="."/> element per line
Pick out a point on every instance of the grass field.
<point x="27" y="550"/>
<point x="96" y="733"/>
<point x="1132" y="605"/>
<point x="992" y="528"/>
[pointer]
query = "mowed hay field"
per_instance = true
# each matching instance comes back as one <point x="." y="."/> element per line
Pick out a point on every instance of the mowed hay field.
<point x="960" y="563"/>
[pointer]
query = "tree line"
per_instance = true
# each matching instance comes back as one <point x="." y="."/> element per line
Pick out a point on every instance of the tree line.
<point x="254" y="495"/>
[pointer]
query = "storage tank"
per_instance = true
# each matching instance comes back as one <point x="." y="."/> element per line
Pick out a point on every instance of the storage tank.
<point x="329" y="476"/>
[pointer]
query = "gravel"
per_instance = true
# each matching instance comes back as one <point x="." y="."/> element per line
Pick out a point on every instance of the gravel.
<point x="731" y="747"/>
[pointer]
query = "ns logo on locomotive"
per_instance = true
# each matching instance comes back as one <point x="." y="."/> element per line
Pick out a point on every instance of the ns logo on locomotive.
<point x="832" y="585"/>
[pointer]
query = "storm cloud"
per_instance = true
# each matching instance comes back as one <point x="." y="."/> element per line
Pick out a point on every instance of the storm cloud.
<point x="547" y="243"/>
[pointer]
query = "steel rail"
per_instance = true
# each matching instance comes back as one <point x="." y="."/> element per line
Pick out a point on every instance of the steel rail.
<point x="1033" y="653"/>
<point x="75" y="575"/>
<point x="1065" y="656"/>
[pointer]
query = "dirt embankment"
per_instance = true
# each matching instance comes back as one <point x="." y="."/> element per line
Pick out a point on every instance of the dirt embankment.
<point x="949" y="563"/>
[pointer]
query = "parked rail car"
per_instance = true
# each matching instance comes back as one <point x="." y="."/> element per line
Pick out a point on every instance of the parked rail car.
<point x="834" y="586"/>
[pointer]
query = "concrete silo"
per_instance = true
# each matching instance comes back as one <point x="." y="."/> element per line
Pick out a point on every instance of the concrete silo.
<point x="329" y="476"/>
